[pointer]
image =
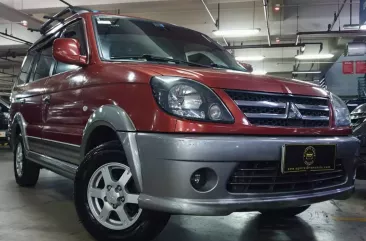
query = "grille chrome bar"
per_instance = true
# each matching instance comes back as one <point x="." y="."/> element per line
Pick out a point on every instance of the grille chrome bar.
<point x="284" y="116"/>
<point x="315" y="118"/>
<point x="288" y="182"/>
<point x="266" y="115"/>
<point x="312" y="107"/>
<point x="268" y="104"/>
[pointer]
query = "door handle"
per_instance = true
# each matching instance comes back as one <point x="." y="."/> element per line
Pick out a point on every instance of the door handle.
<point x="46" y="99"/>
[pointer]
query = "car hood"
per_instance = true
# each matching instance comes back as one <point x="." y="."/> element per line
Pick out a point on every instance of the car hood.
<point x="231" y="79"/>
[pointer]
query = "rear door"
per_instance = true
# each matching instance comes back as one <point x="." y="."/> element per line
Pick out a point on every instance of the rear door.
<point x="63" y="127"/>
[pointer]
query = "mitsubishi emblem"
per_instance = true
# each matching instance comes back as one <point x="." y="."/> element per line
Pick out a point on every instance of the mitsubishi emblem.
<point x="293" y="112"/>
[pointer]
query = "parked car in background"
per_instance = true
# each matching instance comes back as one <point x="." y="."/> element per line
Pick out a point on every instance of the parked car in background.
<point x="353" y="103"/>
<point x="151" y="119"/>
<point x="358" y="117"/>
<point x="4" y="119"/>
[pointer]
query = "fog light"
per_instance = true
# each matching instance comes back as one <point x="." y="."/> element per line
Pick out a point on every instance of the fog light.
<point x="204" y="179"/>
<point x="214" y="112"/>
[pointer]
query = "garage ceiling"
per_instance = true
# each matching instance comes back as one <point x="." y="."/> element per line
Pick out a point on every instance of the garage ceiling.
<point x="294" y="16"/>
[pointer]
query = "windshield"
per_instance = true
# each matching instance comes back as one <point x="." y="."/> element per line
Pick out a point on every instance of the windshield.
<point x="127" y="39"/>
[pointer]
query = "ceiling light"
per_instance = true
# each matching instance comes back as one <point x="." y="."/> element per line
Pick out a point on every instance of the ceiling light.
<point x="307" y="72"/>
<point x="363" y="27"/>
<point x="24" y="23"/>
<point x="249" y="58"/>
<point x="314" y="56"/>
<point x="277" y="7"/>
<point x="259" y="72"/>
<point x="236" y="33"/>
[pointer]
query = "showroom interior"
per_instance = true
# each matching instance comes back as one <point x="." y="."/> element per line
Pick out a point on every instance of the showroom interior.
<point x="309" y="51"/>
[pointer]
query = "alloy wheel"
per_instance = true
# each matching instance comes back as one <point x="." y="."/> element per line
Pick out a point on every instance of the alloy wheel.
<point x="19" y="160"/>
<point x="112" y="198"/>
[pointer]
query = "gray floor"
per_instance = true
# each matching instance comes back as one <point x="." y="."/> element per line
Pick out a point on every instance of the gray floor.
<point x="46" y="212"/>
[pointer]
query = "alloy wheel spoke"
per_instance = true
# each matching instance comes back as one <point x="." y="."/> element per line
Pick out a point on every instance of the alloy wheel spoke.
<point x="122" y="215"/>
<point x="97" y="193"/>
<point x="105" y="213"/>
<point x="132" y="198"/>
<point x="125" y="178"/>
<point x="106" y="176"/>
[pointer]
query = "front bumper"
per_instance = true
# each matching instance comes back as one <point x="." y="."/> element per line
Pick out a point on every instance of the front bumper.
<point x="168" y="161"/>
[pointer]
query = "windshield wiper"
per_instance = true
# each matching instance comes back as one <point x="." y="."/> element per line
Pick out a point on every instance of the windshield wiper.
<point x="149" y="57"/>
<point x="220" y="66"/>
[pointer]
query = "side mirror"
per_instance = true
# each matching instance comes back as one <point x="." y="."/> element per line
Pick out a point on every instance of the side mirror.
<point x="248" y="67"/>
<point x="67" y="50"/>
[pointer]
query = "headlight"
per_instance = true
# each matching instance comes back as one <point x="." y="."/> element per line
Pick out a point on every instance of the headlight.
<point x="189" y="99"/>
<point x="341" y="112"/>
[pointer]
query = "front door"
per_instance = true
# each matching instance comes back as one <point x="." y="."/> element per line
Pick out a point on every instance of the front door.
<point x="62" y="107"/>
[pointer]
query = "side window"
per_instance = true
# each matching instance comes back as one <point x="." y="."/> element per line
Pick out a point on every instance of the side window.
<point x="75" y="31"/>
<point x="44" y="64"/>
<point x="25" y="69"/>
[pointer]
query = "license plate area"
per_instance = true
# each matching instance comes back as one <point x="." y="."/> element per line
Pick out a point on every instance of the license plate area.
<point x="304" y="158"/>
<point x="2" y="133"/>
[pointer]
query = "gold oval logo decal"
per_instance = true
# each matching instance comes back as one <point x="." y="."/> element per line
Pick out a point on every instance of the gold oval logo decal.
<point x="309" y="155"/>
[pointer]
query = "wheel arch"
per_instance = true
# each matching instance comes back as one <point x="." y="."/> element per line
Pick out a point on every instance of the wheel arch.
<point x="18" y="126"/>
<point x="114" y="118"/>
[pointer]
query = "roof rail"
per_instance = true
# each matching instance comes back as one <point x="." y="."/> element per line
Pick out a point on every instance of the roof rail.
<point x="58" y="17"/>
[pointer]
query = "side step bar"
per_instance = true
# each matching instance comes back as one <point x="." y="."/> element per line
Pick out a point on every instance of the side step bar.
<point x="62" y="168"/>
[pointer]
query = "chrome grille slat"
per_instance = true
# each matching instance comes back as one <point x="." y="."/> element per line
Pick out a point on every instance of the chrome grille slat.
<point x="260" y="104"/>
<point x="266" y="115"/>
<point x="269" y="109"/>
<point x="318" y="118"/>
<point x="313" y="107"/>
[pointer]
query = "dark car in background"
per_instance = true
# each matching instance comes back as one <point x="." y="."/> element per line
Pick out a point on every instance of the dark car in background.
<point x="358" y="117"/>
<point x="354" y="103"/>
<point x="4" y="118"/>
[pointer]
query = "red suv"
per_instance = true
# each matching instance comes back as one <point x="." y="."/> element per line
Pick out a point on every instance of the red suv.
<point x="151" y="119"/>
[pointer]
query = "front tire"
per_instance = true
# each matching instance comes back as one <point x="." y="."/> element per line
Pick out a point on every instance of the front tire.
<point x="284" y="213"/>
<point x="26" y="172"/>
<point x="106" y="199"/>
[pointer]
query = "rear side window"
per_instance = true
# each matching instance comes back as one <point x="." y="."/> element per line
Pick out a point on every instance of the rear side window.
<point x="44" y="64"/>
<point x="25" y="69"/>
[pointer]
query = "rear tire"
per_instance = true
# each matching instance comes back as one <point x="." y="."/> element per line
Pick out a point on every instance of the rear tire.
<point x="106" y="198"/>
<point x="284" y="213"/>
<point x="26" y="172"/>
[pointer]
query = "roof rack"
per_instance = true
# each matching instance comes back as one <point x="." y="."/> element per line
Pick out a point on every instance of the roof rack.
<point x="58" y="17"/>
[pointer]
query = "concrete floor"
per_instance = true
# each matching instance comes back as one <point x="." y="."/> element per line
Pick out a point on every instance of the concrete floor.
<point x="46" y="212"/>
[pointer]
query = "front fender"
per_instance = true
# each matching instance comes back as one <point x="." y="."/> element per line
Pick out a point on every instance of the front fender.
<point x="117" y="119"/>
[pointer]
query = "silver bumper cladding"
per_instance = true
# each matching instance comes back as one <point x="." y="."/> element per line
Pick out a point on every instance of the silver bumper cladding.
<point x="167" y="162"/>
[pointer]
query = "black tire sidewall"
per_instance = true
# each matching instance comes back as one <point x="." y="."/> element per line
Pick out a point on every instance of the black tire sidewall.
<point x="97" y="158"/>
<point x="30" y="170"/>
<point x="19" y="141"/>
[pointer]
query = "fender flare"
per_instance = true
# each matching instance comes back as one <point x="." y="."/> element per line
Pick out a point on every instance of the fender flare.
<point x="117" y="119"/>
<point x="18" y="120"/>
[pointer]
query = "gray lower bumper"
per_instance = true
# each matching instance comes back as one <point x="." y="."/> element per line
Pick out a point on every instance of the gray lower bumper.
<point x="167" y="161"/>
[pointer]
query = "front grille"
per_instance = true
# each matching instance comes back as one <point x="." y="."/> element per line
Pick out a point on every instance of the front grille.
<point x="266" y="177"/>
<point x="357" y="119"/>
<point x="268" y="109"/>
